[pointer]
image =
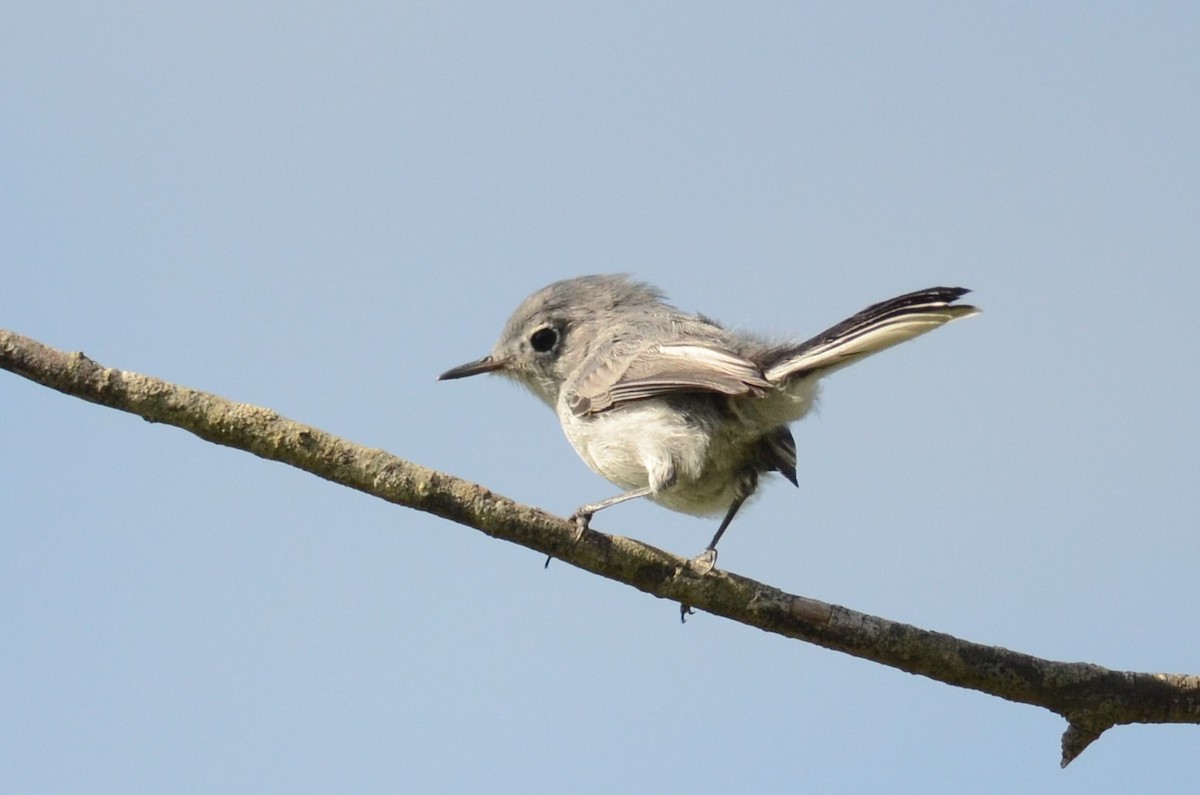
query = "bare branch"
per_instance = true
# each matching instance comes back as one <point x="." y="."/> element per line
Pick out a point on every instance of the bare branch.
<point x="1091" y="698"/>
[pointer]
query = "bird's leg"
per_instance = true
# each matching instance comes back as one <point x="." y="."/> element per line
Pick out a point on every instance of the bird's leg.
<point x="583" y="514"/>
<point x="705" y="561"/>
<point x="661" y="478"/>
<point x="661" y="475"/>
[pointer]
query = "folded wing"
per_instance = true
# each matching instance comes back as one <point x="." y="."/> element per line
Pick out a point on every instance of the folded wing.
<point x="661" y="370"/>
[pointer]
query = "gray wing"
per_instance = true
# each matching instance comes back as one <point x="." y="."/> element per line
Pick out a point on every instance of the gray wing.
<point x="615" y="376"/>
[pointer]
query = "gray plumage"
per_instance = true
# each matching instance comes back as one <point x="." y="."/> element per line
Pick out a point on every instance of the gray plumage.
<point x="672" y="406"/>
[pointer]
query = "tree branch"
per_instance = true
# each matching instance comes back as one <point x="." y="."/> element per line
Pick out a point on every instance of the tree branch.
<point x="1089" y="697"/>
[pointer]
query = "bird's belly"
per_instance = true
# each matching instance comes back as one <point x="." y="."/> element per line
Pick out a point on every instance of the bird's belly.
<point x="649" y="444"/>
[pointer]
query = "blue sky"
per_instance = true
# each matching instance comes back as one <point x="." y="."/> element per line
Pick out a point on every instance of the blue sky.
<point x="318" y="209"/>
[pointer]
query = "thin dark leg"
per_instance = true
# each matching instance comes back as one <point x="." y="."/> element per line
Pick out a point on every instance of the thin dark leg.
<point x="705" y="561"/>
<point x="732" y="512"/>
<point x="748" y="482"/>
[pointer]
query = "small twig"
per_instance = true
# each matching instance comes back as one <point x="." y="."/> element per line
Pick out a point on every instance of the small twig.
<point x="1091" y="698"/>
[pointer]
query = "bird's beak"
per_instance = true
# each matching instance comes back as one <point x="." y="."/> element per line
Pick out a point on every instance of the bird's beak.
<point x="485" y="365"/>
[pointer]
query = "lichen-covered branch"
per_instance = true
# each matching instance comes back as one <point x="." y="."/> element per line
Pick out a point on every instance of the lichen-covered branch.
<point x="1091" y="698"/>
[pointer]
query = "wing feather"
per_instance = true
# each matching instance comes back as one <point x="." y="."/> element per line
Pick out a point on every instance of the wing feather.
<point x="661" y="370"/>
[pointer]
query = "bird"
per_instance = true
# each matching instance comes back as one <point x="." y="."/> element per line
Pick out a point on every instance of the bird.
<point x="674" y="407"/>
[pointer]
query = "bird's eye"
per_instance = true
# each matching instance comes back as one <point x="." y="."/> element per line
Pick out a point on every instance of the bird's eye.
<point x="544" y="339"/>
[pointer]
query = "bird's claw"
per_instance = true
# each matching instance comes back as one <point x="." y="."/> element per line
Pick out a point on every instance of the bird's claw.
<point x="700" y="565"/>
<point x="704" y="562"/>
<point x="582" y="520"/>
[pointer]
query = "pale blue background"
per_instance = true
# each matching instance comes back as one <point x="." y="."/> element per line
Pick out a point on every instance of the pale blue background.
<point x="318" y="209"/>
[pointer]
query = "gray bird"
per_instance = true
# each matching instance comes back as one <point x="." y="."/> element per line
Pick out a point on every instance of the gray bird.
<point x="672" y="406"/>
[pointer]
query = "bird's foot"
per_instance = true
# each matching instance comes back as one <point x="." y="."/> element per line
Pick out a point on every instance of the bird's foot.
<point x="582" y="518"/>
<point x="700" y="565"/>
<point x="704" y="562"/>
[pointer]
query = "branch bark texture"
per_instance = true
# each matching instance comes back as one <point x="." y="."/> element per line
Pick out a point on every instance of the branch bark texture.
<point x="1091" y="698"/>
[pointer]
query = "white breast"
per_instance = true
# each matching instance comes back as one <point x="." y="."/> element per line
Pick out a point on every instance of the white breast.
<point x="638" y="445"/>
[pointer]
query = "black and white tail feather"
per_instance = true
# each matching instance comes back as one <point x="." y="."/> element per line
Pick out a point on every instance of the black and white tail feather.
<point x="876" y="328"/>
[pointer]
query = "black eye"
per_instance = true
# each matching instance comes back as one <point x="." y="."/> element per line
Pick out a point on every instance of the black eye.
<point x="544" y="339"/>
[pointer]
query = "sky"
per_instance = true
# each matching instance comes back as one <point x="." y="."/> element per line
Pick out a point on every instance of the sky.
<point x="319" y="208"/>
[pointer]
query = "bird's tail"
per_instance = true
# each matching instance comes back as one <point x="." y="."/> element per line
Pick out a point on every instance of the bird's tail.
<point x="872" y="330"/>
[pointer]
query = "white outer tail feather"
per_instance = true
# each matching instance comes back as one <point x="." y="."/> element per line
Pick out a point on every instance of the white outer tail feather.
<point x="874" y="329"/>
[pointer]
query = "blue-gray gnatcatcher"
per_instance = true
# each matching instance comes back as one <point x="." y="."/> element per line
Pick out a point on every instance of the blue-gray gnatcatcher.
<point x="672" y="406"/>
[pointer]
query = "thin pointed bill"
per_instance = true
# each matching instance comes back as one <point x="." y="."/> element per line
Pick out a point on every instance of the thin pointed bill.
<point x="485" y="365"/>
